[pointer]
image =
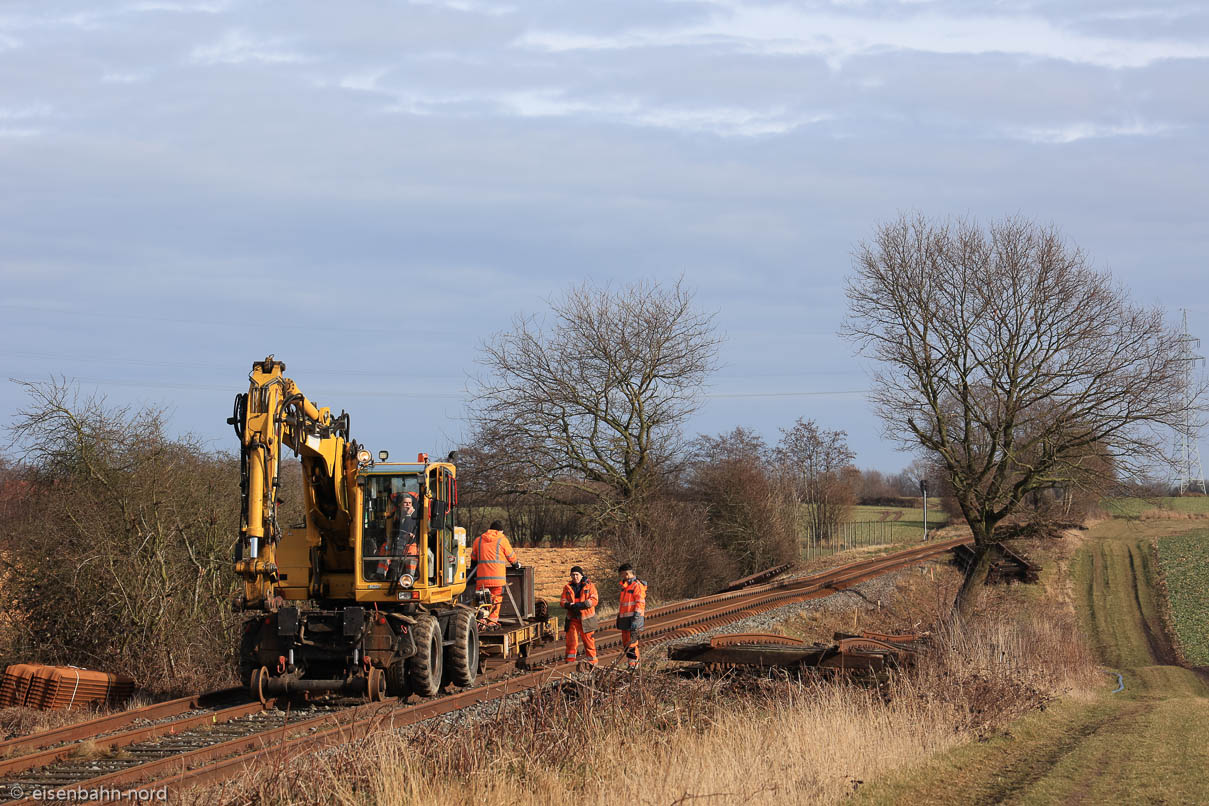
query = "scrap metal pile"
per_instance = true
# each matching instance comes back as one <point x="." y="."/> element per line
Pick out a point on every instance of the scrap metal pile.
<point x="867" y="652"/>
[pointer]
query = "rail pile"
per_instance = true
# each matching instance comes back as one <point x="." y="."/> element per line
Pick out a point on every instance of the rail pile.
<point x="206" y="739"/>
<point x="864" y="653"/>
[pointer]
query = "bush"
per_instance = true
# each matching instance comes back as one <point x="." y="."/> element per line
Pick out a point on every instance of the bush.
<point x="668" y="542"/>
<point x="121" y="559"/>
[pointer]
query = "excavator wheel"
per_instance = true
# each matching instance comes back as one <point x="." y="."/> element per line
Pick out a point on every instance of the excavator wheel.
<point x="424" y="668"/>
<point x="397" y="682"/>
<point x="462" y="656"/>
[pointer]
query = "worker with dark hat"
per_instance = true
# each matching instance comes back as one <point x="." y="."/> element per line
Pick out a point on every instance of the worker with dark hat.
<point x="579" y="598"/>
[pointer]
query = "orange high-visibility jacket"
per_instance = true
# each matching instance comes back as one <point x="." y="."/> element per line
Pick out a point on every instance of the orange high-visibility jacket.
<point x="493" y="553"/>
<point x="587" y="593"/>
<point x="633" y="598"/>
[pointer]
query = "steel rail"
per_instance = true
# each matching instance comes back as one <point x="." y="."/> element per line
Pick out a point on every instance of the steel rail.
<point x="105" y="724"/>
<point x="113" y="741"/>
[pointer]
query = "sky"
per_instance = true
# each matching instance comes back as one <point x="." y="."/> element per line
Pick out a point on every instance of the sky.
<point x="368" y="190"/>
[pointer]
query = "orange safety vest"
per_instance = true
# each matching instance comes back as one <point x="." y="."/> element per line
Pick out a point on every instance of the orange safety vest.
<point x="587" y="593"/>
<point x="493" y="553"/>
<point x="633" y="598"/>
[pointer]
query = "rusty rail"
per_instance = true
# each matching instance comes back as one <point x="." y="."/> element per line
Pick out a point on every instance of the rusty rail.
<point x="105" y="724"/>
<point x="757" y="577"/>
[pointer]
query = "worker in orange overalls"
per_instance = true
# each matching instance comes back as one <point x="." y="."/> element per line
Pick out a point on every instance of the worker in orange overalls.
<point x="632" y="614"/>
<point x="489" y="557"/>
<point x="580" y="600"/>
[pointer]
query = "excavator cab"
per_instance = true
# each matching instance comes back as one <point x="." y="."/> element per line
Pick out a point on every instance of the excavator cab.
<point x="389" y="539"/>
<point x="437" y="552"/>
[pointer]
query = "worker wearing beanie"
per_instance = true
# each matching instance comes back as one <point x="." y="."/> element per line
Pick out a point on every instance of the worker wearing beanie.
<point x="580" y="600"/>
<point x="631" y="616"/>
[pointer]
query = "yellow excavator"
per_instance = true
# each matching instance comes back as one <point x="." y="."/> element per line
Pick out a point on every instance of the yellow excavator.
<point x="369" y="594"/>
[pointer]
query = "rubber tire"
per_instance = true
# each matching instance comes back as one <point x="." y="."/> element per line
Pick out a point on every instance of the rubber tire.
<point x="397" y="684"/>
<point x="462" y="656"/>
<point x="424" y="668"/>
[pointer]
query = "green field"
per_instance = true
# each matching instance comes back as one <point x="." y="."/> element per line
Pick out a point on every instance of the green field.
<point x="1184" y="561"/>
<point x="906" y="523"/>
<point x="1146" y="743"/>
<point x="1134" y="507"/>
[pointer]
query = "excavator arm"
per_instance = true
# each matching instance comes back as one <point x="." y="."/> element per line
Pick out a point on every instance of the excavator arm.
<point x="272" y="415"/>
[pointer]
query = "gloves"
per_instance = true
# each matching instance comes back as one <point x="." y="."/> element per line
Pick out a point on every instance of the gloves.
<point x="517" y="565"/>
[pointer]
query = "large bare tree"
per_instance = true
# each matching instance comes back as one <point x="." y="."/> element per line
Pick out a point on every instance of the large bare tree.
<point x="591" y="399"/>
<point x="1011" y="360"/>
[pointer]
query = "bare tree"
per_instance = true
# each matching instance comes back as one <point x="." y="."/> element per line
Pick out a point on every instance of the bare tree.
<point x="751" y="509"/>
<point x="1011" y="360"/>
<point x="593" y="399"/>
<point x="818" y="463"/>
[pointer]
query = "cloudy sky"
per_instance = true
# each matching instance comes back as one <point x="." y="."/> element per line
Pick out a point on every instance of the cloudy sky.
<point x="369" y="189"/>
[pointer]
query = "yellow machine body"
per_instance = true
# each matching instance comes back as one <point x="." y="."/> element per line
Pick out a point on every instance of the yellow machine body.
<point x="325" y="558"/>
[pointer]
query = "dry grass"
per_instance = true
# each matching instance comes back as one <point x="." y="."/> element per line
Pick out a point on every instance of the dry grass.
<point x="662" y="739"/>
<point x="21" y="721"/>
<point x="656" y="740"/>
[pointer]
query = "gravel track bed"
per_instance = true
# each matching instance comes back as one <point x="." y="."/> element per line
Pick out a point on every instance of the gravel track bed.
<point x="864" y="596"/>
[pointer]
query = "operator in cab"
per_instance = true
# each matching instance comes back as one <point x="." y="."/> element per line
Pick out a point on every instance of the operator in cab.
<point x="402" y="520"/>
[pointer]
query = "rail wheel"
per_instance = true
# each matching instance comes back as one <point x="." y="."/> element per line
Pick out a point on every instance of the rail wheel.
<point x="258" y="680"/>
<point x="462" y="656"/>
<point x="425" y="667"/>
<point x="377" y="684"/>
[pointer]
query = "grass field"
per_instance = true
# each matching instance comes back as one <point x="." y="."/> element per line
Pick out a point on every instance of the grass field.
<point x="1147" y="743"/>
<point x="1184" y="561"/>
<point x="1137" y="507"/>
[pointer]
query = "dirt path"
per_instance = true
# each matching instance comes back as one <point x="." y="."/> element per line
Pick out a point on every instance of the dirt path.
<point x="1148" y="743"/>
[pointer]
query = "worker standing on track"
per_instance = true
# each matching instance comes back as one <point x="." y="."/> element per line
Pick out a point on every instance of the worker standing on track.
<point x="632" y="614"/>
<point x="489" y="557"/>
<point x="580" y="600"/>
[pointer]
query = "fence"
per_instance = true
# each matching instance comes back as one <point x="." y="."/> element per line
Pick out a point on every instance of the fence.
<point x="858" y="534"/>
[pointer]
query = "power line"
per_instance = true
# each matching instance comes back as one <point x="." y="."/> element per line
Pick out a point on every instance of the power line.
<point x="346" y="392"/>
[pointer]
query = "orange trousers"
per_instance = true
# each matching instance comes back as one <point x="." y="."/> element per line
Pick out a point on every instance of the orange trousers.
<point x="631" y="648"/>
<point x="575" y="633"/>
<point x="497" y="601"/>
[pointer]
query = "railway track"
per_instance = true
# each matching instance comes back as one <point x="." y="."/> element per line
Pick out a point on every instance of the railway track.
<point x="216" y="736"/>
